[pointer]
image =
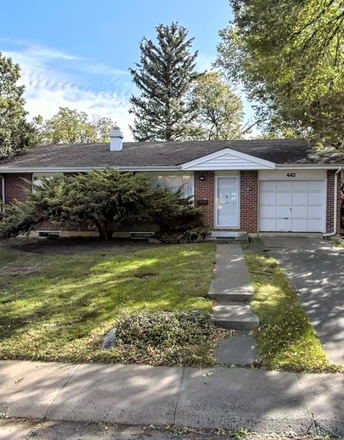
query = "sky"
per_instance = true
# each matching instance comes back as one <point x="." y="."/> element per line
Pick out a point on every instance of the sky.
<point x="76" y="53"/>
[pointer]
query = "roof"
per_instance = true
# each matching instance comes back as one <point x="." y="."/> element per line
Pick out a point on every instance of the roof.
<point x="169" y="154"/>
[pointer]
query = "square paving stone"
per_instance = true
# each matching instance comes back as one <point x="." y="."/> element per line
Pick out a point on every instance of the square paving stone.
<point x="232" y="398"/>
<point x="129" y="394"/>
<point x="238" y="350"/>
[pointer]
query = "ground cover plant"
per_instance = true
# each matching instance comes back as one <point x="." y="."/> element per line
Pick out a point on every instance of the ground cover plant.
<point x="285" y="339"/>
<point x="58" y="307"/>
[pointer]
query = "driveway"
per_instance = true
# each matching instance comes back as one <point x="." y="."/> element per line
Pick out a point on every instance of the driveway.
<point x="315" y="268"/>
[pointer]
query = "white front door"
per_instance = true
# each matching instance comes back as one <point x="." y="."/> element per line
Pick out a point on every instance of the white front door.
<point x="296" y="206"/>
<point x="227" y="201"/>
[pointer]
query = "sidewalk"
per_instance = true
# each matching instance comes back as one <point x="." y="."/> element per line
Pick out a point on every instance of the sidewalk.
<point x="229" y="398"/>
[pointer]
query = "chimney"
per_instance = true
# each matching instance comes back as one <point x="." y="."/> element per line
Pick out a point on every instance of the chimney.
<point x="116" y="137"/>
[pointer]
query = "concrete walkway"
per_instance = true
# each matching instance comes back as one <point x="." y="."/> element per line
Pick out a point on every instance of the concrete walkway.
<point x="227" y="398"/>
<point x="232" y="289"/>
<point x="315" y="270"/>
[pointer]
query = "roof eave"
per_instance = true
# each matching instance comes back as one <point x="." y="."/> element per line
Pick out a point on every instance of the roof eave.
<point x="309" y="166"/>
<point x="84" y="169"/>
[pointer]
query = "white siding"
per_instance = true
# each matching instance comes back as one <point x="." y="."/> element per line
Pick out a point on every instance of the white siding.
<point x="228" y="162"/>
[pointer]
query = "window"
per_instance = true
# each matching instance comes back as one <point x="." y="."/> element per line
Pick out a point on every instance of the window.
<point x="37" y="178"/>
<point x="174" y="182"/>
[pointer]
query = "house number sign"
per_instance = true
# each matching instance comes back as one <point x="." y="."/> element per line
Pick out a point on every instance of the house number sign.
<point x="291" y="174"/>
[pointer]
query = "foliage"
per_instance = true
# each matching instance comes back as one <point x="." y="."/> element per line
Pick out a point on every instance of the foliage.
<point x="220" y="110"/>
<point x="285" y="339"/>
<point x="288" y="56"/>
<point x="164" y="76"/>
<point x="102" y="200"/>
<point x="62" y="311"/>
<point x="70" y="127"/>
<point x="177" y="220"/>
<point x="16" y="134"/>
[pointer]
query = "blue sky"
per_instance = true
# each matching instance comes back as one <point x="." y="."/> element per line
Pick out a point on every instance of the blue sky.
<point x="76" y="53"/>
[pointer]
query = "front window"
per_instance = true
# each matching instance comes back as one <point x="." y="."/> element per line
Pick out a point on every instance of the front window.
<point x="37" y="178"/>
<point x="174" y="182"/>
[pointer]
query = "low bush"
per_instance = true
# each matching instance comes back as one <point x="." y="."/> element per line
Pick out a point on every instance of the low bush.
<point x="167" y="338"/>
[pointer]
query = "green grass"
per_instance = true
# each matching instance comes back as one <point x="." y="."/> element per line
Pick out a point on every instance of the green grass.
<point x="62" y="311"/>
<point x="286" y="339"/>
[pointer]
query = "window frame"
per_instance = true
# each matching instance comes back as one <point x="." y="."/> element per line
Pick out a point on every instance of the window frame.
<point x="176" y="174"/>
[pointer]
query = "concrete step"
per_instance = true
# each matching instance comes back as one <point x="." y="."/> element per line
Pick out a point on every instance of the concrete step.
<point x="236" y="316"/>
<point x="224" y="297"/>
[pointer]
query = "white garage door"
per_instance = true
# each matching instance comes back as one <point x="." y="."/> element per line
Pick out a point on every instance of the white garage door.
<point x="296" y="206"/>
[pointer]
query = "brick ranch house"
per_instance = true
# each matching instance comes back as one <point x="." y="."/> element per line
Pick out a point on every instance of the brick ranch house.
<point x="249" y="186"/>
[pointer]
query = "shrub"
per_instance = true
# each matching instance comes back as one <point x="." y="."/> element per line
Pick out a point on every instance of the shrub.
<point x="103" y="200"/>
<point x="167" y="338"/>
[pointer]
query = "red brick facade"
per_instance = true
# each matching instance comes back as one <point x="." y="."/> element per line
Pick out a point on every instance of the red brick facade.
<point x="204" y="194"/>
<point x="330" y="201"/>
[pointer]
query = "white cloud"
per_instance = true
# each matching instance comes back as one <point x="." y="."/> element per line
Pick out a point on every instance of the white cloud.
<point x="53" y="79"/>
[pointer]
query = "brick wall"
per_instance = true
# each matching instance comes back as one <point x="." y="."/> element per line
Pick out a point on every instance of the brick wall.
<point x="330" y="201"/>
<point x="204" y="191"/>
<point x="16" y="187"/>
<point x="249" y="201"/>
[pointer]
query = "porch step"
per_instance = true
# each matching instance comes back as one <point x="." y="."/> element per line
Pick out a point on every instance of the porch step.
<point x="236" y="316"/>
<point x="227" y="297"/>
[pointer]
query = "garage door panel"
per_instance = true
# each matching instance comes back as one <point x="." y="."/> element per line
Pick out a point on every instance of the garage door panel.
<point x="299" y="225"/>
<point x="267" y="198"/>
<point x="296" y="206"/>
<point x="267" y="185"/>
<point x="282" y="211"/>
<point x="280" y="185"/>
<point x="267" y="212"/>
<point x="299" y="186"/>
<point x="282" y="225"/>
<point x="283" y="198"/>
<point x="299" y="212"/>
<point x="267" y="224"/>
<point x="315" y="186"/>
<point x="299" y="198"/>
<point x="314" y="198"/>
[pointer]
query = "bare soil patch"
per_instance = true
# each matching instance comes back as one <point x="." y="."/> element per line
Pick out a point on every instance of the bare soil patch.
<point x="85" y="246"/>
<point x="20" y="270"/>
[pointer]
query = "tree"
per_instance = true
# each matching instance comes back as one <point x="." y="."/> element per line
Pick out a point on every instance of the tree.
<point x="101" y="200"/>
<point x="16" y="134"/>
<point x="70" y="127"/>
<point x="164" y="76"/>
<point x="289" y="57"/>
<point x="220" y="110"/>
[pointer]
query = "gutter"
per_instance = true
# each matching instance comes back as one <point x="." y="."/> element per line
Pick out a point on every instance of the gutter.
<point x="85" y="169"/>
<point x="2" y="192"/>
<point x="331" y="234"/>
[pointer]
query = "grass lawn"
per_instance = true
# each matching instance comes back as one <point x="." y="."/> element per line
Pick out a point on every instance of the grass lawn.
<point x="286" y="338"/>
<point x="59" y="306"/>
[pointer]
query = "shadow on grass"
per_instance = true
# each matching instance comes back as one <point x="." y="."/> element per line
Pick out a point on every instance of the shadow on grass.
<point x="63" y="311"/>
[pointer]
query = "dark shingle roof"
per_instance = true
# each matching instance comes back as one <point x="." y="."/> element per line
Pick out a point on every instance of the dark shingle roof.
<point x="279" y="151"/>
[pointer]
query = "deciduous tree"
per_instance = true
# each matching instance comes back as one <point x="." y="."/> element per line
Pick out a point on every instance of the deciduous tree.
<point x="289" y="57"/>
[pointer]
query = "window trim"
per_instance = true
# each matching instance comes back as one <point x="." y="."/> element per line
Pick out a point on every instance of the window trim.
<point x="219" y="176"/>
<point x="171" y="173"/>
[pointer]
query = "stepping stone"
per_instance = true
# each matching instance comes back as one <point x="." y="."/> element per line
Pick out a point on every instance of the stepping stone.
<point x="236" y="350"/>
<point x="236" y="316"/>
<point x="232" y="282"/>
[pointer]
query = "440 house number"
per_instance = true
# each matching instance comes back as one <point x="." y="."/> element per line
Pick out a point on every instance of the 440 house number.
<point x="291" y="174"/>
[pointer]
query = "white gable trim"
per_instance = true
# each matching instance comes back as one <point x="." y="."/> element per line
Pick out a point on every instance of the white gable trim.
<point x="227" y="159"/>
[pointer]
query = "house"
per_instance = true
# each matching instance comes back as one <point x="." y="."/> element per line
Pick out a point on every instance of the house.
<point x="247" y="186"/>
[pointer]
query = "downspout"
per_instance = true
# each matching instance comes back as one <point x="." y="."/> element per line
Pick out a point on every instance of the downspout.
<point x="2" y="192"/>
<point x="331" y="234"/>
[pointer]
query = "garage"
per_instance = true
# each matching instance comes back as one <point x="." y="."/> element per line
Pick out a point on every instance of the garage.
<point x="292" y="205"/>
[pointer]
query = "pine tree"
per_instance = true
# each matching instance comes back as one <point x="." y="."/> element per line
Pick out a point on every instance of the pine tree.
<point x="164" y="76"/>
<point x="16" y="133"/>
